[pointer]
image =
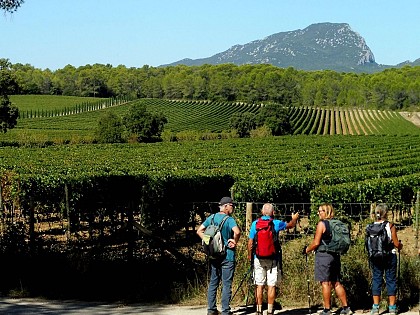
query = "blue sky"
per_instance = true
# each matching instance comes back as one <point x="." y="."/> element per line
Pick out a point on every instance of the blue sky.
<point x="54" y="33"/>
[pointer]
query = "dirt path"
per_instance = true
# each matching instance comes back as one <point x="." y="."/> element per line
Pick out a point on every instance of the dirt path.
<point x="414" y="117"/>
<point x="40" y="307"/>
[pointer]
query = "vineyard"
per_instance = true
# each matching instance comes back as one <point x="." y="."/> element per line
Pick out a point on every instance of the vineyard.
<point x="100" y="215"/>
<point x="80" y="119"/>
<point x="280" y="169"/>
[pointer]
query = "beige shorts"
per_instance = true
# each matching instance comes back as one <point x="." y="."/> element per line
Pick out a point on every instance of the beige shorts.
<point x="266" y="272"/>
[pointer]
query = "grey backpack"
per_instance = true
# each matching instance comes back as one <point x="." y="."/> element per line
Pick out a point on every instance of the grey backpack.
<point x="213" y="242"/>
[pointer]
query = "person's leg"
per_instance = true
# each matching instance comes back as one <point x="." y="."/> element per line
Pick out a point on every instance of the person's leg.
<point x="271" y="297"/>
<point x="377" y="272"/>
<point x="272" y="281"/>
<point x="259" y="298"/>
<point x="391" y="282"/>
<point x="215" y="276"/>
<point x="260" y="291"/>
<point x="326" y="294"/>
<point x="377" y="280"/>
<point x="260" y="278"/>
<point x="341" y="293"/>
<point x="342" y="296"/>
<point x="228" y="272"/>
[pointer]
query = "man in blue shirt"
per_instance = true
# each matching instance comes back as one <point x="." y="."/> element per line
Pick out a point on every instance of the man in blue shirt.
<point x="224" y="268"/>
<point x="266" y="271"/>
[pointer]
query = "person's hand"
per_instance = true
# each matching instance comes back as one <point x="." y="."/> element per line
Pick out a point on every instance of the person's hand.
<point x="231" y="243"/>
<point x="304" y="250"/>
<point x="295" y="216"/>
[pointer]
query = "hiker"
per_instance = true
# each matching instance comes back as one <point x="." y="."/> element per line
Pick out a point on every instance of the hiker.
<point x="386" y="262"/>
<point x="267" y="266"/>
<point x="327" y="264"/>
<point x="224" y="268"/>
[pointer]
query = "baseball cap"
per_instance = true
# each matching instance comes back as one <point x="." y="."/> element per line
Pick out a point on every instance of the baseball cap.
<point x="226" y="200"/>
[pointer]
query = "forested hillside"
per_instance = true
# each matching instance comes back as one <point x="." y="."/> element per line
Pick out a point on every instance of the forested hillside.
<point x="394" y="89"/>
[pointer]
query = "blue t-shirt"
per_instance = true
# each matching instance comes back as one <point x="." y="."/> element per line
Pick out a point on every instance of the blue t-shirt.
<point x="227" y="232"/>
<point x="279" y="225"/>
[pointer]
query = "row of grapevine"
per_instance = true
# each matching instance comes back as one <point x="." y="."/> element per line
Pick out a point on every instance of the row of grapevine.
<point x="76" y="109"/>
<point x="163" y="176"/>
<point x="214" y="116"/>
<point x="349" y="121"/>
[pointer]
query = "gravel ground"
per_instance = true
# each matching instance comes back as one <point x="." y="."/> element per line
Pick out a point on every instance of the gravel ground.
<point x="38" y="306"/>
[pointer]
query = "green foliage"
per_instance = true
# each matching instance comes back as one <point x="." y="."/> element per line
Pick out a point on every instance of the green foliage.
<point x="261" y="132"/>
<point x="243" y="123"/>
<point x="8" y="113"/>
<point x="10" y="5"/>
<point x="276" y="117"/>
<point x="146" y="126"/>
<point x="109" y="129"/>
<point x="396" y="88"/>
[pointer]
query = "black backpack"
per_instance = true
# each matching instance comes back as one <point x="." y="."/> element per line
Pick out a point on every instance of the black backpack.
<point x="377" y="242"/>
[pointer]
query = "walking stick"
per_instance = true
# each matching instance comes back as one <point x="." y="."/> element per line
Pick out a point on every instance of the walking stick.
<point x="398" y="275"/>
<point x="242" y="281"/>
<point x="307" y="280"/>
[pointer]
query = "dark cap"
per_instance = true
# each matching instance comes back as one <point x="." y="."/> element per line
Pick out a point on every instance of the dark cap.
<point x="226" y="200"/>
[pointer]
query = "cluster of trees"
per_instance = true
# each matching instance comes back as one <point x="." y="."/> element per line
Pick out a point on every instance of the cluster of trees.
<point x="273" y="117"/>
<point x="395" y="89"/>
<point x="8" y="113"/>
<point x="137" y="125"/>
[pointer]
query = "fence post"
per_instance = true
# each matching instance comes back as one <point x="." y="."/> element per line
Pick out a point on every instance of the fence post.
<point x="417" y="219"/>
<point x="31" y="224"/>
<point x="66" y="192"/>
<point x="248" y="216"/>
<point x="1" y="210"/>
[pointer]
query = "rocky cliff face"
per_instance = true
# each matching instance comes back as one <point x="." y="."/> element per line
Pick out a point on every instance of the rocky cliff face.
<point x="333" y="46"/>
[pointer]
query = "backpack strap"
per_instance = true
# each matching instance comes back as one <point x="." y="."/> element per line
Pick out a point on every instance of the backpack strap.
<point x="223" y="222"/>
<point x="220" y="224"/>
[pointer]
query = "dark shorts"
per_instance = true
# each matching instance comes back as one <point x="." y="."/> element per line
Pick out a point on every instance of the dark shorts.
<point x="327" y="267"/>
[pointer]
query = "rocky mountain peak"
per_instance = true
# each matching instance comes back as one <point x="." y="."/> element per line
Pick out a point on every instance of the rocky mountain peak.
<point x="320" y="46"/>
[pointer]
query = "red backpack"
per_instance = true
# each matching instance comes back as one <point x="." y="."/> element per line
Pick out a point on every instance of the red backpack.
<point x="266" y="243"/>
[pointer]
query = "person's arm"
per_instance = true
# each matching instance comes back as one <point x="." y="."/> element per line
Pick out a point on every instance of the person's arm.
<point x="320" y="229"/>
<point x="236" y="235"/>
<point x="394" y="237"/>
<point x="200" y="231"/>
<point x="292" y="223"/>
<point x="250" y="245"/>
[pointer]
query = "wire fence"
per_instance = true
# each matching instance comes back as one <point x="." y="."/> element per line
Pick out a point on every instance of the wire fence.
<point x="94" y="226"/>
<point x="404" y="216"/>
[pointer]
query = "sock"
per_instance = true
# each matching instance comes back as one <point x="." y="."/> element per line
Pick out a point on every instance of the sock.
<point x="259" y="308"/>
<point x="270" y="308"/>
<point x="392" y="307"/>
<point x="375" y="306"/>
<point x="326" y="309"/>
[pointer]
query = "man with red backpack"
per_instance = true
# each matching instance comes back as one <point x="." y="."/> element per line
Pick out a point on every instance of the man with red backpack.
<point x="263" y="252"/>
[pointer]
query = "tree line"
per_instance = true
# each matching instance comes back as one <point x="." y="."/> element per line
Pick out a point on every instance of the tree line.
<point x="394" y="89"/>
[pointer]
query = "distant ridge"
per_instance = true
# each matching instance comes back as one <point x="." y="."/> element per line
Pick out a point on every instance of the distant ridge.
<point x="322" y="46"/>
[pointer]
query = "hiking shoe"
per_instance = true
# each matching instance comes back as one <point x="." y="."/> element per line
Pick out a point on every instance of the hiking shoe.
<point x="374" y="311"/>
<point x="346" y="311"/>
<point x="259" y="313"/>
<point x="272" y="313"/>
<point x="324" y="312"/>
<point x="392" y="310"/>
